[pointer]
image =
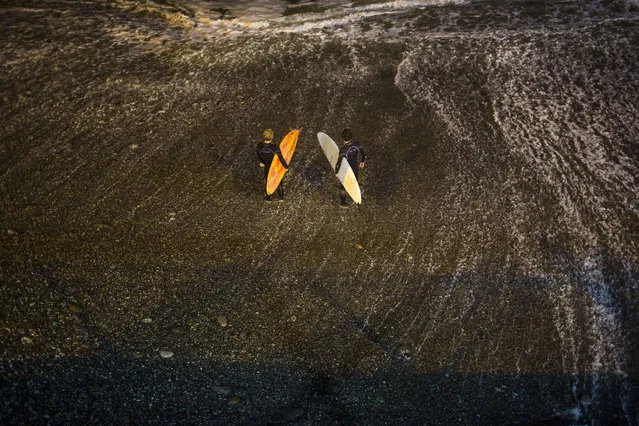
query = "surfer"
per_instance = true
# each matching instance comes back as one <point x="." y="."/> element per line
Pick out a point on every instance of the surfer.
<point x="266" y="151"/>
<point x="351" y="151"/>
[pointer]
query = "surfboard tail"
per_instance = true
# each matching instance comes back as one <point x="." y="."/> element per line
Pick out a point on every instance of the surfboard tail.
<point x="349" y="181"/>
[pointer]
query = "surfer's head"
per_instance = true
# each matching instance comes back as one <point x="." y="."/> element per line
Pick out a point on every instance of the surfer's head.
<point x="347" y="135"/>
<point x="268" y="135"/>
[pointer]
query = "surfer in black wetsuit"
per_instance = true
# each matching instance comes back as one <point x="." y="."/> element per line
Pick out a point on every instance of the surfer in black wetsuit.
<point x="266" y="151"/>
<point x="352" y="152"/>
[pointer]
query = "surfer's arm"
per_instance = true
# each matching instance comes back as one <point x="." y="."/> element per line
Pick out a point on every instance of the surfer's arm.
<point x="339" y="161"/>
<point x="363" y="154"/>
<point x="282" y="160"/>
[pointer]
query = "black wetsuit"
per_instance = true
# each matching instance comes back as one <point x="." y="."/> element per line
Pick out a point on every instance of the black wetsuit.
<point x="265" y="153"/>
<point x="351" y="151"/>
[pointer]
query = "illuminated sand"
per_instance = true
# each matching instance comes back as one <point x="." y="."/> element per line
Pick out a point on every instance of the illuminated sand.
<point x="490" y="274"/>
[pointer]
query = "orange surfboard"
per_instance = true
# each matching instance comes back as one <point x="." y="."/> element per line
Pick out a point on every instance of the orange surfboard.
<point x="277" y="170"/>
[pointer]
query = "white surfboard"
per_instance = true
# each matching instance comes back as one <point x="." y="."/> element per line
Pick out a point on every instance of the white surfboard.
<point x="346" y="175"/>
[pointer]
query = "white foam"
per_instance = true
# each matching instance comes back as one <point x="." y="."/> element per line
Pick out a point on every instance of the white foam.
<point x="261" y="10"/>
<point x="581" y="154"/>
<point x="575" y="413"/>
<point x="339" y="17"/>
<point x="607" y="348"/>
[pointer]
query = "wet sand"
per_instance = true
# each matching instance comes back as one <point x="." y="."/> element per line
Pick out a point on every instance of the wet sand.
<point x="489" y="276"/>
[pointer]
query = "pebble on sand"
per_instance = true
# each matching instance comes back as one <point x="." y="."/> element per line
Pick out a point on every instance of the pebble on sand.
<point x="233" y="399"/>
<point x="585" y="399"/>
<point x="222" y="390"/>
<point x="291" y="413"/>
<point x="26" y="340"/>
<point x="403" y="351"/>
<point x="222" y="321"/>
<point x="166" y="354"/>
<point x="147" y="320"/>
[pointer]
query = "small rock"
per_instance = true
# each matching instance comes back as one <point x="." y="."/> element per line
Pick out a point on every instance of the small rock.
<point x="179" y="330"/>
<point x="585" y="399"/>
<point x="222" y="390"/>
<point x="147" y="320"/>
<point x="403" y="351"/>
<point x="222" y="321"/>
<point x="291" y="413"/>
<point x="358" y="246"/>
<point x="26" y="340"/>
<point x="293" y="318"/>
<point x="233" y="399"/>
<point x="134" y="146"/>
<point x="166" y="354"/>
<point x="11" y="232"/>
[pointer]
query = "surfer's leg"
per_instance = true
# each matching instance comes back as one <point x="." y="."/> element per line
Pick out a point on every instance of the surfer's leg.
<point x="266" y="196"/>
<point x="342" y="195"/>
<point x="280" y="191"/>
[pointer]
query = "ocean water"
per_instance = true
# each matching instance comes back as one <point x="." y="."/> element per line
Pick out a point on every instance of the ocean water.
<point x="384" y="19"/>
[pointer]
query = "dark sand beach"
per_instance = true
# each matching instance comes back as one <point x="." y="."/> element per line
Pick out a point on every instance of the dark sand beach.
<point x="489" y="277"/>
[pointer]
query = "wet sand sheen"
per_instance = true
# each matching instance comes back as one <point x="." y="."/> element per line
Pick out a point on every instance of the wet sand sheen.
<point x="490" y="271"/>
